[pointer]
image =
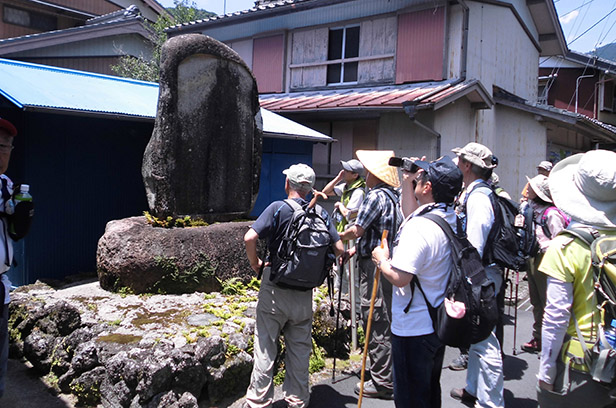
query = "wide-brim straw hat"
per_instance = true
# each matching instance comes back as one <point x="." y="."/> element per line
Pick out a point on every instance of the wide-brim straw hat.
<point x="377" y="163"/>
<point x="541" y="187"/>
<point x="584" y="187"/>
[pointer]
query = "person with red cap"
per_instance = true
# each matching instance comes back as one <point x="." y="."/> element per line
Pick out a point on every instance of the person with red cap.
<point x="7" y="133"/>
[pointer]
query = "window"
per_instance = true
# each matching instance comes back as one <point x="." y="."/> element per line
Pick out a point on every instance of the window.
<point x="343" y="45"/>
<point x="25" y="18"/>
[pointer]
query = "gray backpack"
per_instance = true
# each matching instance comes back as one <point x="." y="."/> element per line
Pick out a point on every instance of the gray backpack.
<point x="305" y="256"/>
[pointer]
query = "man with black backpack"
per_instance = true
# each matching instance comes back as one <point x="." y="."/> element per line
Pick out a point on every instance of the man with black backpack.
<point x="422" y="254"/>
<point x="577" y="361"/>
<point x="484" y="378"/>
<point x="282" y="306"/>
<point x="378" y="212"/>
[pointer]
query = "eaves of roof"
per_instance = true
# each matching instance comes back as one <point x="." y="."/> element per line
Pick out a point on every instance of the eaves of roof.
<point x="68" y="11"/>
<point x="132" y="25"/>
<point x="592" y="128"/>
<point x="41" y="88"/>
<point x="427" y="95"/>
<point x="586" y="60"/>
<point x="277" y="8"/>
<point x="551" y="37"/>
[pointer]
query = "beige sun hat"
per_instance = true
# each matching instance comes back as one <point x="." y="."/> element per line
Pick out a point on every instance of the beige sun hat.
<point x="540" y="186"/>
<point x="584" y="187"/>
<point x="477" y="154"/>
<point x="377" y="163"/>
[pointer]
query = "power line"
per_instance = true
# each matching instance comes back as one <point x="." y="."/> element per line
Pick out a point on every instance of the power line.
<point x="593" y="26"/>
<point x="577" y="8"/>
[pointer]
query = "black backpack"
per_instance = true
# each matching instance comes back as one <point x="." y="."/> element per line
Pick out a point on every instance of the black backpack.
<point x="512" y="239"/>
<point x="305" y="255"/>
<point x="468" y="284"/>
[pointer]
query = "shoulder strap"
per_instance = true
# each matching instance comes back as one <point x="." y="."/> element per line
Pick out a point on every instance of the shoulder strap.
<point x="293" y="204"/>
<point x="587" y="235"/>
<point x="415" y="281"/>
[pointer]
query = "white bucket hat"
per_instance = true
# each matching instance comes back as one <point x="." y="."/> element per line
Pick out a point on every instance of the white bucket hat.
<point x="540" y="186"/>
<point x="377" y="163"/>
<point x="477" y="154"/>
<point x="584" y="187"/>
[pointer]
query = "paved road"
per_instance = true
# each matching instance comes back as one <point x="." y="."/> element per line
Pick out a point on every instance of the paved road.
<point x="520" y="372"/>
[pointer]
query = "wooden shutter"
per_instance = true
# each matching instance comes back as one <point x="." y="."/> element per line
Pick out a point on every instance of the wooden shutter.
<point x="267" y="63"/>
<point x="421" y="40"/>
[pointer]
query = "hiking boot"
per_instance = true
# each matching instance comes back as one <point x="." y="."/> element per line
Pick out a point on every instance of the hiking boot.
<point x="533" y="346"/>
<point x="459" y="363"/>
<point x="462" y="395"/>
<point x="370" y="391"/>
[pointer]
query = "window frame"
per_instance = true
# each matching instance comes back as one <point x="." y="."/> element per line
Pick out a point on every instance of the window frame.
<point x="343" y="60"/>
<point x="33" y="16"/>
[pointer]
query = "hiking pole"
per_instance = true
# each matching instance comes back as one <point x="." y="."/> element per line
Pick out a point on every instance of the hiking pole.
<point x="515" y="313"/>
<point x="341" y="270"/>
<point x="375" y="285"/>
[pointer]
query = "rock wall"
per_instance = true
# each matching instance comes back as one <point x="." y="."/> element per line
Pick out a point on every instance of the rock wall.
<point x="155" y="351"/>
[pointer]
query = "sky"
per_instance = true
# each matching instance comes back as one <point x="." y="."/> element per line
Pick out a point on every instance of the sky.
<point x="576" y="17"/>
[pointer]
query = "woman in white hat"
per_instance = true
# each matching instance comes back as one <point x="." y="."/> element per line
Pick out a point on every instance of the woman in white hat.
<point x="549" y="221"/>
<point x="584" y="187"/>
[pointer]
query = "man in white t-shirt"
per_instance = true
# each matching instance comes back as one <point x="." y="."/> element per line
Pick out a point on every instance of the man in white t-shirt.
<point x="423" y="255"/>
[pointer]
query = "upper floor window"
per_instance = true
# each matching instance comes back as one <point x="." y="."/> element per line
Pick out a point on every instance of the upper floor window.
<point x="31" y="19"/>
<point x="343" y="45"/>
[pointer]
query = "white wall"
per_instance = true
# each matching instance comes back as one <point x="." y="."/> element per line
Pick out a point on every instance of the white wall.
<point x="500" y="52"/>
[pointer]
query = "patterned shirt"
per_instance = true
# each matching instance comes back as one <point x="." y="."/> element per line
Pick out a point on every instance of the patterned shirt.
<point x="377" y="214"/>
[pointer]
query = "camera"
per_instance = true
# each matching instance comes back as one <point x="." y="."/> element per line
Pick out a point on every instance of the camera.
<point x="404" y="163"/>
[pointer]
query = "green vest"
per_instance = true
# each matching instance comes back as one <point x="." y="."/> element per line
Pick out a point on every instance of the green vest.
<point x="346" y="197"/>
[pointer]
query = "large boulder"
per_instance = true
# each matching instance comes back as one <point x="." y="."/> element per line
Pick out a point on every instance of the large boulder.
<point x="204" y="157"/>
<point x="133" y="254"/>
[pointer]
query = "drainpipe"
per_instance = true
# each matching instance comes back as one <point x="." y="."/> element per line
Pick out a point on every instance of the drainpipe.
<point x="577" y="85"/>
<point x="411" y="110"/>
<point x="597" y="101"/>
<point x="464" y="56"/>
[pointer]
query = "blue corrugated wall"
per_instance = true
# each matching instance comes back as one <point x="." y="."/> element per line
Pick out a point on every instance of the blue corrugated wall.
<point x="85" y="172"/>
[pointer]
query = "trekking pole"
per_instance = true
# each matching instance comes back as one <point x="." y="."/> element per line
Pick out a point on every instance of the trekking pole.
<point x="375" y="285"/>
<point x="341" y="270"/>
<point x="515" y="313"/>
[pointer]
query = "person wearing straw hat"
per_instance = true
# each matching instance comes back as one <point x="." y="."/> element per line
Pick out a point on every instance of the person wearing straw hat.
<point x="7" y="134"/>
<point x="584" y="187"/>
<point x="484" y="378"/>
<point x="281" y="308"/>
<point x="378" y="212"/>
<point x="549" y="221"/>
<point x="422" y="255"/>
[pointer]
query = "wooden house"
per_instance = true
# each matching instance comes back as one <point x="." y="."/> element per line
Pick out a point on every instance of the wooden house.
<point x="417" y="76"/>
<point x="88" y="35"/>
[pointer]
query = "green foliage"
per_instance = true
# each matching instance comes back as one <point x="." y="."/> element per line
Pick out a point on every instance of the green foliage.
<point x="171" y="222"/>
<point x="125" y="291"/>
<point x="317" y="358"/>
<point x="231" y="350"/>
<point x="233" y="286"/>
<point x="254" y="284"/>
<point x="176" y="280"/>
<point x="149" y="69"/>
<point x="279" y="377"/>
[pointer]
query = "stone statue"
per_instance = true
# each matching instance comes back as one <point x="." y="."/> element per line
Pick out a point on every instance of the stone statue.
<point x="204" y="156"/>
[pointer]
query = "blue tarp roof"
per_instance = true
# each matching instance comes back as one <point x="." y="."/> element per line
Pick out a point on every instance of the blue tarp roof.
<point x="42" y="87"/>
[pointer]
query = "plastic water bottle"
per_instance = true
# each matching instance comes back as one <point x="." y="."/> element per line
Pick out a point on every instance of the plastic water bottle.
<point x="610" y="334"/>
<point x="23" y="195"/>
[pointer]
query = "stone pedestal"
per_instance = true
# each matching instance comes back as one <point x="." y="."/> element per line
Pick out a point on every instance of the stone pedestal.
<point x="144" y="259"/>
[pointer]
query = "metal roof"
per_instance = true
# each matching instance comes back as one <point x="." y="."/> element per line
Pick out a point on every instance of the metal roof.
<point x="426" y="95"/>
<point x="35" y="87"/>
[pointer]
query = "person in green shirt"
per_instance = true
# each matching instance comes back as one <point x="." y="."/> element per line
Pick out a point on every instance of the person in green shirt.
<point x="583" y="186"/>
<point x="350" y="185"/>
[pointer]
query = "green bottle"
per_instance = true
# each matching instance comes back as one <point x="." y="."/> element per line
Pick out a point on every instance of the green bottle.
<point x="23" y="195"/>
